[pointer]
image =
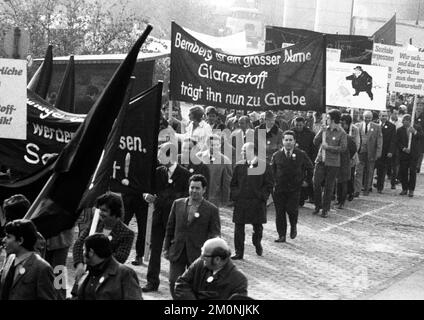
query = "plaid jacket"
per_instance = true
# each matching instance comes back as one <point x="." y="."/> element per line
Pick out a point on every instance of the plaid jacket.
<point x="121" y="240"/>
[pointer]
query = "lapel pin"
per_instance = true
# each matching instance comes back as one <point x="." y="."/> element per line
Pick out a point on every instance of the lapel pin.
<point x="22" y="270"/>
<point x="293" y="155"/>
<point x="101" y="280"/>
<point x="334" y="138"/>
<point x="385" y="127"/>
<point x="125" y="182"/>
<point x="268" y="142"/>
<point x="191" y="170"/>
<point x="209" y="279"/>
<point x="170" y="181"/>
<point x="213" y="158"/>
<point x="196" y="215"/>
<point x="110" y="238"/>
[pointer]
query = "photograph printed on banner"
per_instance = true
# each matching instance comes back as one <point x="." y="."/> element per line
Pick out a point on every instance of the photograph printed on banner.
<point x="356" y="86"/>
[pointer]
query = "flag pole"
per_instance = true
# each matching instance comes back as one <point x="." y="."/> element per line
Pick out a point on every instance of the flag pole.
<point x="95" y="221"/>
<point x="40" y="196"/>
<point x="148" y="231"/>
<point x="414" y="109"/>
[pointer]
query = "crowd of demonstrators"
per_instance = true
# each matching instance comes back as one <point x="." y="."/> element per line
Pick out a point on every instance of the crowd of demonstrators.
<point x="215" y="159"/>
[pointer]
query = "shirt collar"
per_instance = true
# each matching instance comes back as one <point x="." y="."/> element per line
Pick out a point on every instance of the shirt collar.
<point x="336" y="128"/>
<point x="172" y="168"/>
<point x="191" y="202"/>
<point x="285" y="151"/>
<point x="21" y="259"/>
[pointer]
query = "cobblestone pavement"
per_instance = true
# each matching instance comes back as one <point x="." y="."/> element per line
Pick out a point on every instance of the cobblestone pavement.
<point x="354" y="253"/>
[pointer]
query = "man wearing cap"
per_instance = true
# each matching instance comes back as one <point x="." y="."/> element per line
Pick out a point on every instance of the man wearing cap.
<point x="361" y="81"/>
<point x="171" y="183"/>
<point x="191" y="222"/>
<point x="213" y="276"/>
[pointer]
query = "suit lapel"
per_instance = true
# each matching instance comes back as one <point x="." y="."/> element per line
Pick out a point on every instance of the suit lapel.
<point x="110" y="271"/>
<point x="6" y="267"/>
<point x="23" y="269"/>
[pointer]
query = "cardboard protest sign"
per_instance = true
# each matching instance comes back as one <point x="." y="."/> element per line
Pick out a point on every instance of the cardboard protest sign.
<point x="13" y="110"/>
<point x="356" y="86"/>
<point x="408" y="72"/>
<point x="289" y="78"/>
<point x="384" y="55"/>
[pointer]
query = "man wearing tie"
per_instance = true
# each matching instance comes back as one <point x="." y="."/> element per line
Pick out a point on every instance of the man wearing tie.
<point x="408" y="156"/>
<point x="292" y="169"/>
<point x="171" y="183"/>
<point x="369" y="152"/>
<point x="192" y="221"/>
<point x="388" y="130"/>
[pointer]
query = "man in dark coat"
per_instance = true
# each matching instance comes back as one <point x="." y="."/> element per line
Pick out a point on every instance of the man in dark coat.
<point x="274" y="135"/>
<point x="191" y="222"/>
<point x="171" y="184"/>
<point x="389" y="148"/>
<point x="250" y="193"/>
<point x="213" y="276"/>
<point x="305" y="141"/>
<point x="361" y="81"/>
<point x="408" y="157"/>
<point x="290" y="166"/>
<point x="189" y="160"/>
<point x="106" y="278"/>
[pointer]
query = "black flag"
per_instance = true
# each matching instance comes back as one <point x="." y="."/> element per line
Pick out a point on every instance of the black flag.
<point x="66" y="97"/>
<point x="40" y="82"/>
<point x="56" y="207"/>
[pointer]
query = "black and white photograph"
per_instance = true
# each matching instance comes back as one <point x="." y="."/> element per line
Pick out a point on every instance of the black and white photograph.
<point x="211" y="150"/>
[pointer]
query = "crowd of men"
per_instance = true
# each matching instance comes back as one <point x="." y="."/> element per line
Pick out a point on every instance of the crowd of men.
<point x="245" y="161"/>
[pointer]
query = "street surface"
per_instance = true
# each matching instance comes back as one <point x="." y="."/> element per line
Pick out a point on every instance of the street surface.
<point x="361" y="252"/>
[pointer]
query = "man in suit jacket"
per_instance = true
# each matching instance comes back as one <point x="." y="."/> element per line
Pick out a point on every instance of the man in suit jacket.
<point x="291" y="169"/>
<point x="213" y="276"/>
<point x="250" y="192"/>
<point x="171" y="183"/>
<point x="191" y="222"/>
<point x="408" y="157"/>
<point x="25" y="275"/>
<point x="369" y="152"/>
<point x="110" y="223"/>
<point x="106" y="278"/>
<point x="361" y="81"/>
<point x="388" y="130"/>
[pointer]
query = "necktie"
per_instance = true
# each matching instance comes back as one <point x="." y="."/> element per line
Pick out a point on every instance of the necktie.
<point x="366" y="128"/>
<point x="287" y="154"/>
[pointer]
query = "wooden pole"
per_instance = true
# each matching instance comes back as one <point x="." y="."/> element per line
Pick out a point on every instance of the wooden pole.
<point x="414" y="109"/>
<point x="95" y="221"/>
<point x="40" y="196"/>
<point x="324" y="135"/>
<point x="148" y="232"/>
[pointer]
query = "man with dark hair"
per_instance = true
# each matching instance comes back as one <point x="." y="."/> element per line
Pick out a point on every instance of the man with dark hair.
<point x="25" y="275"/>
<point x="189" y="159"/>
<point x="106" y="278"/>
<point x="327" y="163"/>
<point x="213" y="276"/>
<point x="110" y="224"/>
<point x="213" y="119"/>
<point x="171" y="183"/>
<point x="250" y="193"/>
<point x="191" y="222"/>
<point x="291" y="169"/>
<point x="274" y="135"/>
<point x="408" y="156"/>
<point x="361" y="81"/>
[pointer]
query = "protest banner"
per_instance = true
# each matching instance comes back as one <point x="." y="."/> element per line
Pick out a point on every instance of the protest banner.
<point x="384" y="55"/>
<point x="356" y="86"/>
<point x="13" y="111"/>
<point x="48" y="131"/>
<point x="289" y="78"/>
<point x="354" y="49"/>
<point x="408" y="72"/>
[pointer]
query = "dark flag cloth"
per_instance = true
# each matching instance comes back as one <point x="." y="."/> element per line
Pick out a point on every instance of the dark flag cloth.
<point x="48" y="131"/>
<point x="40" y="82"/>
<point x="354" y="49"/>
<point x="31" y="185"/>
<point x="129" y="160"/>
<point x="202" y="75"/>
<point x="387" y="33"/>
<point x="66" y="96"/>
<point x="57" y="209"/>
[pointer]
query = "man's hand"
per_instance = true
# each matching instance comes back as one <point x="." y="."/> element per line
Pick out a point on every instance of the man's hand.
<point x="149" y="197"/>
<point x="412" y="130"/>
<point x="389" y="155"/>
<point x="166" y="254"/>
<point x="79" y="271"/>
<point x="406" y="150"/>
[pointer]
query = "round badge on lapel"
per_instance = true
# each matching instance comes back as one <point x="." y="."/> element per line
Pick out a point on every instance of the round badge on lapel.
<point x="334" y="138"/>
<point x="385" y="127"/>
<point x="170" y="181"/>
<point x="209" y="279"/>
<point x="102" y="279"/>
<point x="268" y="142"/>
<point x="22" y="270"/>
<point x="372" y="129"/>
<point x="191" y="170"/>
<point x="125" y="182"/>
<point x="213" y="159"/>
<point x="110" y="238"/>
<point x="196" y="215"/>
